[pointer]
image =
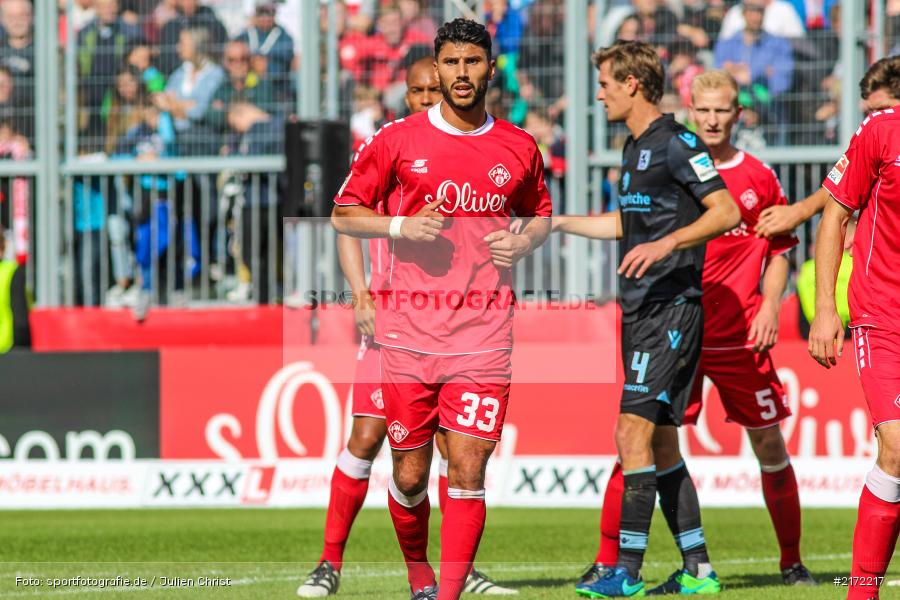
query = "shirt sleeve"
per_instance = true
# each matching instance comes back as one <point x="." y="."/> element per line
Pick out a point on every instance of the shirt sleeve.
<point x="691" y="165"/>
<point x="370" y="175"/>
<point x="852" y="177"/>
<point x="534" y="201"/>
<point x="775" y="197"/>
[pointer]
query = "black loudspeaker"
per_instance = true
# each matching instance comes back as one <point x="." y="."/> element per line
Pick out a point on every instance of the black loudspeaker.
<point x="317" y="157"/>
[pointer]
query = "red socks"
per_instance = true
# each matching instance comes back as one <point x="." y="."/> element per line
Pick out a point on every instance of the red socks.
<point x="442" y="484"/>
<point x="410" y="516"/>
<point x="349" y="484"/>
<point x="461" y="529"/>
<point x="783" y="501"/>
<point x="608" y="554"/>
<point x="874" y="539"/>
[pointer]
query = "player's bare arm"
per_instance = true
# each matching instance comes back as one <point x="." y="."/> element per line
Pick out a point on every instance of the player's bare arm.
<point x="783" y="219"/>
<point x="827" y="330"/>
<point x="607" y="226"/>
<point x="721" y="215"/>
<point x="508" y="247"/>
<point x="363" y="222"/>
<point x="350" y="254"/>
<point x="764" y="328"/>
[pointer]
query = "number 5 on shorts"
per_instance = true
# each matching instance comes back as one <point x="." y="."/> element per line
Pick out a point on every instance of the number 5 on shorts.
<point x="471" y="403"/>
<point x="763" y="398"/>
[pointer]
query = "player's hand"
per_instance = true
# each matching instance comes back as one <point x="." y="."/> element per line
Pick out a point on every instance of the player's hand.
<point x="364" y="312"/>
<point x="643" y="256"/>
<point x="826" y="333"/>
<point x="764" y="328"/>
<point x="425" y="225"/>
<point x="507" y="247"/>
<point x="778" y="220"/>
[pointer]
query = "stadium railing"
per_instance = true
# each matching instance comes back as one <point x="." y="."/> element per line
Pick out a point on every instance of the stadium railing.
<point x="74" y="197"/>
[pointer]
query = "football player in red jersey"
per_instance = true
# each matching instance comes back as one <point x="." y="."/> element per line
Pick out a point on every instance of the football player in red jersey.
<point x="740" y="325"/>
<point x="350" y="480"/>
<point x="877" y="93"/>
<point x="444" y="310"/>
<point x="867" y="179"/>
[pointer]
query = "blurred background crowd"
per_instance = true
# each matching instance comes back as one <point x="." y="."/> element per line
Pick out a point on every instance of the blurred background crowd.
<point x="202" y="75"/>
<point x="183" y="78"/>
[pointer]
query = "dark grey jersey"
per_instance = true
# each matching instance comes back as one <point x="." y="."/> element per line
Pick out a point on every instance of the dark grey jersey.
<point x="666" y="173"/>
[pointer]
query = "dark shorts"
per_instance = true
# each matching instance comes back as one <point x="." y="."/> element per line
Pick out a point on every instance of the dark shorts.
<point x="660" y="353"/>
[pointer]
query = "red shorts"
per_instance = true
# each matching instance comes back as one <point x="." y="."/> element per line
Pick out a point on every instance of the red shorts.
<point x="748" y="385"/>
<point x="367" y="400"/>
<point x="878" y="362"/>
<point x="465" y="393"/>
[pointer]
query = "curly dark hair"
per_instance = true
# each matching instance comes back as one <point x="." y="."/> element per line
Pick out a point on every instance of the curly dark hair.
<point x="463" y="31"/>
<point x="884" y="74"/>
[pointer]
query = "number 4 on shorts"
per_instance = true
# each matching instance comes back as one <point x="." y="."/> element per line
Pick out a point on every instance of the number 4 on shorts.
<point x="639" y="363"/>
<point x="471" y="403"/>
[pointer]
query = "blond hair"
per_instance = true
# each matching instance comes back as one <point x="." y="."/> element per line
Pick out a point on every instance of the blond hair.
<point x="715" y="80"/>
<point x="637" y="59"/>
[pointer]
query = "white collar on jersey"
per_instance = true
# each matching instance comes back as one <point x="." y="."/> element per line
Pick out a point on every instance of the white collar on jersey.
<point x="437" y="119"/>
<point x="737" y="160"/>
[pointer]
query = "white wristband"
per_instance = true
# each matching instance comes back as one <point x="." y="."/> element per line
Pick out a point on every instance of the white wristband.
<point x="394" y="229"/>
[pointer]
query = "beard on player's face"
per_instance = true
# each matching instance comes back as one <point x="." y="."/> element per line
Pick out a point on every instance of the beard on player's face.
<point x="467" y="104"/>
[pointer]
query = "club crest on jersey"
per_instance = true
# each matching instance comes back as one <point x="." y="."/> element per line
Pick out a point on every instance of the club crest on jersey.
<point x="644" y="160"/>
<point x="397" y="431"/>
<point x="749" y="199"/>
<point x="837" y="173"/>
<point x="420" y="165"/>
<point x="499" y="175"/>
<point x="897" y="401"/>
<point x="377" y="399"/>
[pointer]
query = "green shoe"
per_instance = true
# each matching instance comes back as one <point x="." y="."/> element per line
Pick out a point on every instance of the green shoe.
<point x="682" y="582"/>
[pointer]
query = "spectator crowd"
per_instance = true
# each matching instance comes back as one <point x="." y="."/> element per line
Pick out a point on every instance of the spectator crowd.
<point x="181" y="78"/>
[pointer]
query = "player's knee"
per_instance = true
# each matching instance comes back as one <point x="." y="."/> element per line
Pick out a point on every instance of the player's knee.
<point x="466" y="474"/>
<point x="665" y="456"/>
<point x="666" y="452"/>
<point x="889" y="449"/>
<point x="768" y="445"/>
<point x="411" y="481"/>
<point x="365" y="443"/>
<point x="633" y="437"/>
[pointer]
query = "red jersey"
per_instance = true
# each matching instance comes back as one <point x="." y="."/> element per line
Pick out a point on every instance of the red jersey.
<point x="446" y="296"/>
<point x="736" y="260"/>
<point x="378" y="261"/>
<point x="867" y="178"/>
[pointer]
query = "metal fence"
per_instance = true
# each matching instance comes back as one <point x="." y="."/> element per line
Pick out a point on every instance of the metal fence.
<point x="124" y="179"/>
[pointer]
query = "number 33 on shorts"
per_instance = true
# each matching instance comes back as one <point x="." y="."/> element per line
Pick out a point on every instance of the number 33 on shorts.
<point x="474" y="406"/>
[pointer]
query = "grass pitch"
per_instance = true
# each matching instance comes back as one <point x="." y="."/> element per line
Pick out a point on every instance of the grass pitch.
<point x="266" y="553"/>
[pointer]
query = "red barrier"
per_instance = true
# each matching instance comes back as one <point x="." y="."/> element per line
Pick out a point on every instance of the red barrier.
<point x="251" y="403"/>
<point x="89" y="329"/>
